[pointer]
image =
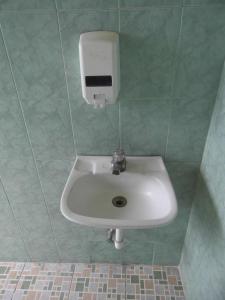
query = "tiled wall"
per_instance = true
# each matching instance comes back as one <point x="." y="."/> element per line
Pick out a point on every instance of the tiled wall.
<point x="203" y="260"/>
<point x="171" y="59"/>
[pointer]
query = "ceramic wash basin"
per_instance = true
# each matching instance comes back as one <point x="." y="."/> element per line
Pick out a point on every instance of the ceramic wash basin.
<point x="140" y="197"/>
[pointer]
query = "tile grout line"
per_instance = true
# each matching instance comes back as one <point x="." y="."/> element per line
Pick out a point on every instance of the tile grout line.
<point x="66" y="81"/>
<point x="181" y="277"/>
<point x="125" y="293"/>
<point x="120" y="129"/>
<point x="128" y="8"/>
<point x="150" y="7"/>
<point x="153" y="255"/>
<point x="15" y="220"/>
<point x="190" y="213"/>
<point x="173" y="79"/>
<point x="71" y="281"/>
<point x="119" y="109"/>
<point x="118" y="4"/>
<point x="168" y="127"/>
<point x="177" y="50"/>
<point x="21" y="273"/>
<point x="28" y="137"/>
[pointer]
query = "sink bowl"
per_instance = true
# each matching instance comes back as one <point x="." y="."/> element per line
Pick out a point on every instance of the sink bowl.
<point x="140" y="197"/>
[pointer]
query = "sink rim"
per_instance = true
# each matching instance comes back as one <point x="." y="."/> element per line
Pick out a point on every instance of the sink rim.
<point x="108" y="222"/>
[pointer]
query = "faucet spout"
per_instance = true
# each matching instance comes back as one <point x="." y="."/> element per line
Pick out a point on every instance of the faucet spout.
<point x="118" y="162"/>
<point x="116" y="169"/>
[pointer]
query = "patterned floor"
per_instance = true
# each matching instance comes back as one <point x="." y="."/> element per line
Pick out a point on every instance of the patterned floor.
<point x="33" y="281"/>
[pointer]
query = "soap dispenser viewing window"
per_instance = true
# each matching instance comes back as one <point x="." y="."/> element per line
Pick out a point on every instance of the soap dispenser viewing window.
<point x="99" y="67"/>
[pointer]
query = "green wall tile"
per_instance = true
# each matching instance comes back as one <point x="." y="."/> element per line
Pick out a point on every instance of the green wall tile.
<point x="216" y="132"/>
<point x="41" y="246"/>
<point x="150" y="38"/>
<point x="65" y="229"/>
<point x="188" y="129"/>
<point x="98" y="132"/>
<point x="90" y="4"/>
<point x="167" y="255"/>
<point x="26" y="4"/>
<point x="69" y="235"/>
<point x="53" y="177"/>
<point x="74" y="250"/>
<point x="203" y="2"/>
<point x="105" y="252"/>
<point x="148" y="3"/>
<point x="202" y="52"/>
<point x="13" y="138"/>
<point x="12" y="246"/>
<point x="167" y="235"/>
<point x="20" y="181"/>
<point x="203" y="258"/>
<point x="138" y="253"/>
<point x="131" y="253"/>
<point x="203" y="254"/>
<point x="183" y="177"/>
<point x="142" y="133"/>
<point x="24" y="193"/>
<point x="12" y="249"/>
<point x="34" y="46"/>
<point x="6" y="218"/>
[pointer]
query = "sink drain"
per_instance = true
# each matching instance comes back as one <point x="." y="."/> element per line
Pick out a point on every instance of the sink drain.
<point x="119" y="201"/>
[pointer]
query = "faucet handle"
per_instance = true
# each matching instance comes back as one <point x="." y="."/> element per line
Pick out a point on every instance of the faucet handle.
<point x="118" y="155"/>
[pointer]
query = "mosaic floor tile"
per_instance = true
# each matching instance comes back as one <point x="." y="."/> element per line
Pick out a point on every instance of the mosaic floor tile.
<point x="140" y="282"/>
<point x="45" y="281"/>
<point x="98" y="281"/>
<point x="49" y="281"/>
<point x="153" y="282"/>
<point x="10" y="273"/>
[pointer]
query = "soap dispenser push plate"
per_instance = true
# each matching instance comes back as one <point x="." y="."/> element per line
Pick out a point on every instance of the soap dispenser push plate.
<point x="99" y="67"/>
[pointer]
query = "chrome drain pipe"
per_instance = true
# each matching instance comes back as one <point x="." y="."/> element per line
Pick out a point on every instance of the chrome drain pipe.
<point x="116" y="236"/>
<point x="118" y="239"/>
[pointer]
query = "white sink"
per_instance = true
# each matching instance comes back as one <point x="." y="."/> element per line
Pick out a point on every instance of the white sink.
<point x="90" y="188"/>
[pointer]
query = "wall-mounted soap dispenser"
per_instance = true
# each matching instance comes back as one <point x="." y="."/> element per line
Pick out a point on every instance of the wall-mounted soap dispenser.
<point x="99" y="67"/>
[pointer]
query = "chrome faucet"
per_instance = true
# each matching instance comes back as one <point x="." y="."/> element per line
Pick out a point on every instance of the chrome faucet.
<point x="118" y="162"/>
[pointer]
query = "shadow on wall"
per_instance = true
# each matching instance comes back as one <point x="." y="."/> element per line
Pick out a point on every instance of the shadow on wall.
<point x="206" y="211"/>
<point x="203" y="258"/>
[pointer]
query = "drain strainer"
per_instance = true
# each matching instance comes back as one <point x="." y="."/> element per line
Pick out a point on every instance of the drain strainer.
<point x="119" y="201"/>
